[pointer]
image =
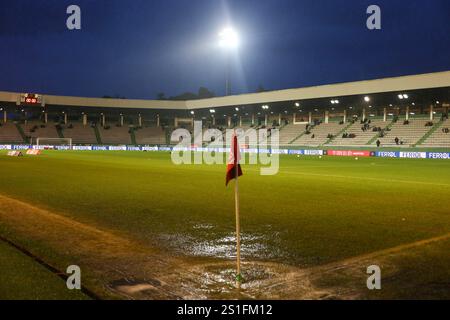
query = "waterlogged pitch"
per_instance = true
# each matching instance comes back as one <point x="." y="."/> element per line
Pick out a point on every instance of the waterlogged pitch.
<point x="313" y="212"/>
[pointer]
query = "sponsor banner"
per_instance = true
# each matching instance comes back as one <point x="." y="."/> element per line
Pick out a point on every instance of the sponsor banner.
<point x="217" y="150"/>
<point x="21" y="147"/>
<point x="34" y="152"/>
<point x="133" y="148"/>
<point x="15" y="153"/>
<point x="387" y="154"/>
<point x="5" y="147"/>
<point x="349" y="153"/>
<point x="82" y="148"/>
<point x="296" y="151"/>
<point x="413" y="155"/>
<point x="165" y="148"/>
<point x="248" y="150"/>
<point x="117" y="148"/>
<point x="313" y="152"/>
<point x="62" y="147"/>
<point x="280" y="151"/>
<point x="99" y="148"/>
<point x="438" y="155"/>
<point x="155" y="148"/>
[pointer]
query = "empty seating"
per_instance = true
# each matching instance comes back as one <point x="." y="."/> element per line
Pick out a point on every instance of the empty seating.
<point x="289" y="132"/>
<point x="150" y="136"/>
<point x="115" y="135"/>
<point x="36" y="129"/>
<point x="9" y="133"/>
<point x="80" y="134"/>
<point x="439" y="138"/>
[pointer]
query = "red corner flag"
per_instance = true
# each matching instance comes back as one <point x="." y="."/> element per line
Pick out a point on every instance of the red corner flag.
<point x="233" y="167"/>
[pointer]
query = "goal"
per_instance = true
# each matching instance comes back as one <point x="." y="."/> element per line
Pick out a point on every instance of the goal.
<point x="65" y="143"/>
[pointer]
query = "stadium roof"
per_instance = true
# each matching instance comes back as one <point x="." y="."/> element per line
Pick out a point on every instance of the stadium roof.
<point x="394" y="84"/>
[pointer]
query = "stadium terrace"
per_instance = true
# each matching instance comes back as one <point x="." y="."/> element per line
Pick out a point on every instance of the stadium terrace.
<point x="407" y="111"/>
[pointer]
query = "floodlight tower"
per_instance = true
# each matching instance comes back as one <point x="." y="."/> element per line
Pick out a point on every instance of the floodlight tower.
<point x="229" y="41"/>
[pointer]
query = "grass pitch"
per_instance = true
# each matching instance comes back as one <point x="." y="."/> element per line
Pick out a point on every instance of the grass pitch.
<point x="314" y="211"/>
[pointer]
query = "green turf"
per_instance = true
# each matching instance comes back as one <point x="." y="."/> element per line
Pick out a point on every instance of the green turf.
<point x="314" y="211"/>
<point x="21" y="277"/>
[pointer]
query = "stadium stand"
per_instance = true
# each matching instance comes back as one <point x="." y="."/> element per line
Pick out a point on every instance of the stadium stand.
<point x="9" y="133"/>
<point x="36" y="129"/>
<point x="360" y="137"/>
<point x="319" y="134"/>
<point x="408" y="134"/>
<point x="290" y="132"/>
<point x="80" y="134"/>
<point x="440" y="137"/>
<point x="150" y="136"/>
<point x="115" y="134"/>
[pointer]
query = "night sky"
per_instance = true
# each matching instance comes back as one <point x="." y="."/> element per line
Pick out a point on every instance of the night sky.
<point x="137" y="48"/>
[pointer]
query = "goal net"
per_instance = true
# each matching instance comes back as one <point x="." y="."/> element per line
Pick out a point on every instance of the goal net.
<point x="63" y="143"/>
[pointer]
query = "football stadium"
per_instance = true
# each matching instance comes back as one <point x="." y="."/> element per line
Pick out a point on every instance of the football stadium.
<point x="90" y="182"/>
<point x="332" y="191"/>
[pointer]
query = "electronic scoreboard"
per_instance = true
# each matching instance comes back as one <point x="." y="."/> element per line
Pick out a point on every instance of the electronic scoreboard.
<point x="30" y="99"/>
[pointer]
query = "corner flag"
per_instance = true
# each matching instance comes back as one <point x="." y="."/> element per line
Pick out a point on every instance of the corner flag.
<point x="233" y="167"/>
<point x="233" y="172"/>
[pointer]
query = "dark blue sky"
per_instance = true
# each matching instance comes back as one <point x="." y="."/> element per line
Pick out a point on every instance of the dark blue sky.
<point x="136" y="48"/>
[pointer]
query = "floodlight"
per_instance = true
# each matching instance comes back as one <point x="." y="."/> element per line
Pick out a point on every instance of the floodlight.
<point x="228" y="38"/>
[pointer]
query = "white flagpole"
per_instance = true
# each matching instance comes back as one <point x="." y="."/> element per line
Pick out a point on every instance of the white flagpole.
<point x="238" y="225"/>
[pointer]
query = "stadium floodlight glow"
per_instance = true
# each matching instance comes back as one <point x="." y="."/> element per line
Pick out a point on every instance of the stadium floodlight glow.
<point x="297" y="104"/>
<point x="192" y="112"/>
<point x="212" y="111"/>
<point x="366" y="99"/>
<point x="265" y="107"/>
<point x="228" y="38"/>
<point x="237" y="109"/>
<point x="334" y="101"/>
<point x="403" y="96"/>
<point x="437" y="102"/>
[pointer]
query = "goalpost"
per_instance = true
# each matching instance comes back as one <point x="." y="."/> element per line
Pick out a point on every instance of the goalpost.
<point x="53" y="142"/>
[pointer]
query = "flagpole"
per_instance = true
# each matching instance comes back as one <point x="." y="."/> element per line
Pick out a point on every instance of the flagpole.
<point x="238" y="224"/>
<point x="238" y="231"/>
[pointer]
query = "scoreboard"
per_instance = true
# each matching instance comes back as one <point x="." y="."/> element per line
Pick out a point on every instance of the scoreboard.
<point x="30" y="99"/>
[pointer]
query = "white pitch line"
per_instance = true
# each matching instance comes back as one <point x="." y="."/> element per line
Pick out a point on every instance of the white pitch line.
<point x="357" y="177"/>
<point x="369" y="178"/>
